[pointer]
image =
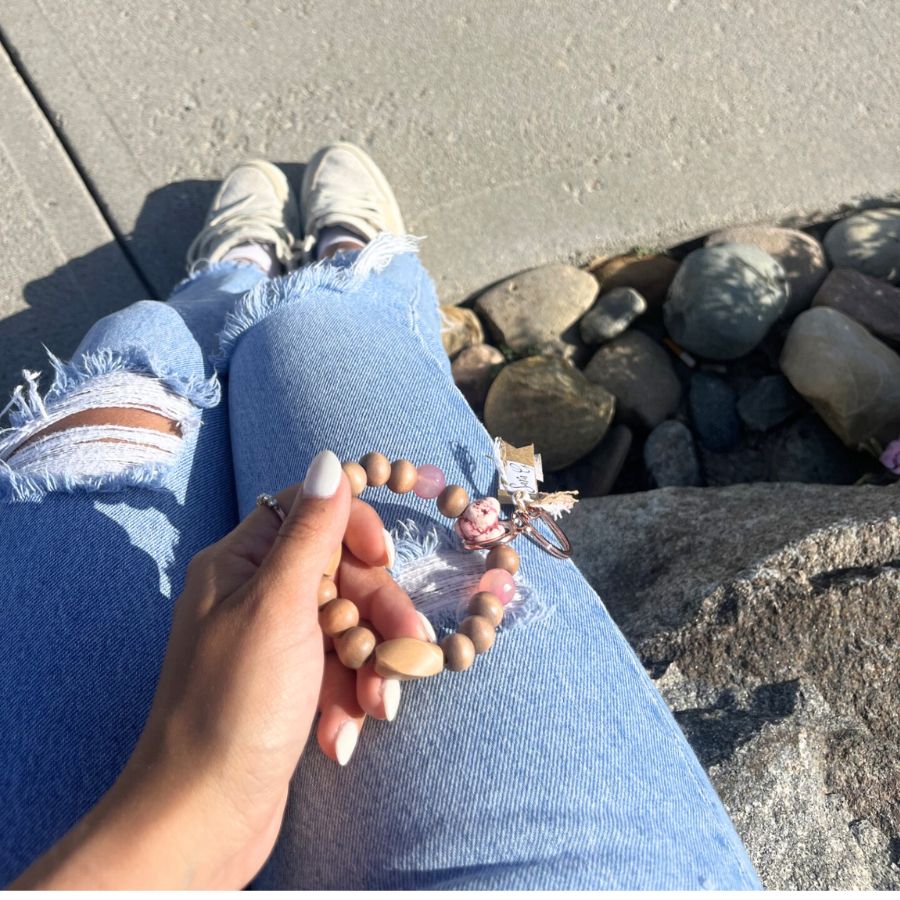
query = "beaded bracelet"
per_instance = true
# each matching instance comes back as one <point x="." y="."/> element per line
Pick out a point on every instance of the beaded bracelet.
<point x="479" y="526"/>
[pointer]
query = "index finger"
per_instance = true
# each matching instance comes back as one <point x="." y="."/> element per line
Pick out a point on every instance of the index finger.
<point x="381" y="600"/>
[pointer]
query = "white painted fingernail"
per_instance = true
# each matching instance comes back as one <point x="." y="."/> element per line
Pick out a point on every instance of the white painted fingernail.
<point x="390" y="696"/>
<point x="429" y="631"/>
<point x="323" y="475"/>
<point x="345" y="742"/>
<point x="389" y="547"/>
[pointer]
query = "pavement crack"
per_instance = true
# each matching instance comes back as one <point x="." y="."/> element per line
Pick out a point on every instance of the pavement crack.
<point x="72" y="155"/>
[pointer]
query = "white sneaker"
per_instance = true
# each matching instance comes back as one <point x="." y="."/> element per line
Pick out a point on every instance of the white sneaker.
<point x="254" y="205"/>
<point x="342" y="187"/>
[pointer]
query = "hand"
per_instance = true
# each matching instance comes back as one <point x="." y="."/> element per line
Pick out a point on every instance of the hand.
<point x="201" y="800"/>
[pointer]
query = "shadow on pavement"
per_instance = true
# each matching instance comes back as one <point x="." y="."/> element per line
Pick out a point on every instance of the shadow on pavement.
<point x="65" y="303"/>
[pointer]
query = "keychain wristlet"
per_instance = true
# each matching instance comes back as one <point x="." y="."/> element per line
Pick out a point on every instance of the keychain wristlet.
<point x="479" y="526"/>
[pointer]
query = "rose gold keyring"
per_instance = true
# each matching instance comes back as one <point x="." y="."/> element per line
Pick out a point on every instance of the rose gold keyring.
<point x="520" y="523"/>
<point x="562" y="550"/>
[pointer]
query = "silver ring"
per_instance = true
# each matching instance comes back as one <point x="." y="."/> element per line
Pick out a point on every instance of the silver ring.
<point x="272" y="503"/>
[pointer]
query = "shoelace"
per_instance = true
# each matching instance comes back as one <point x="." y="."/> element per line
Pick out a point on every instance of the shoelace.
<point x="333" y="205"/>
<point x="260" y="225"/>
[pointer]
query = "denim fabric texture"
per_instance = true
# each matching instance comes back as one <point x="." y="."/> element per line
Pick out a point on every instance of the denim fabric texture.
<point x="552" y="763"/>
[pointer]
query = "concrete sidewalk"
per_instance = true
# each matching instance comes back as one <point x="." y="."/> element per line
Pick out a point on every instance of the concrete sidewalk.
<point x="514" y="134"/>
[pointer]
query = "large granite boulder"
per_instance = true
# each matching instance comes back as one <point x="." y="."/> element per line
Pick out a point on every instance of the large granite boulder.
<point x="767" y="614"/>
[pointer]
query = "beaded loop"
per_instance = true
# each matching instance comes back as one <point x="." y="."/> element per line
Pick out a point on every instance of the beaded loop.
<point x="479" y="526"/>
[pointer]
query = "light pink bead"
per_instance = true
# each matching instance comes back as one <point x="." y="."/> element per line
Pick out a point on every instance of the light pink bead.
<point x="500" y="583"/>
<point x="430" y="483"/>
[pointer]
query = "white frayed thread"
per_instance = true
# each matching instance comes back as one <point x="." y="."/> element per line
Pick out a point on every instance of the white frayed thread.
<point x="440" y="577"/>
<point x="130" y="377"/>
<point x="268" y="295"/>
<point x="115" y="389"/>
<point x="95" y="451"/>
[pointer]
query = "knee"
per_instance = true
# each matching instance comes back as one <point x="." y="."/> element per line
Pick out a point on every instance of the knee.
<point x="109" y="420"/>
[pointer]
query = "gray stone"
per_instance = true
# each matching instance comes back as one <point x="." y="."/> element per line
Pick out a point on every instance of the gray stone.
<point x="671" y="457"/>
<point x="604" y="463"/>
<point x="650" y="274"/>
<point x="767" y="616"/>
<point x="546" y="401"/>
<point x="745" y="463"/>
<point x="799" y="254"/>
<point x="808" y="451"/>
<point x="850" y="377"/>
<point x="537" y="311"/>
<point x="639" y="372"/>
<point x="713" y="407"/>
<point x="724" y="299"/>
<point x="869" y="242"/>
<point x="611" y="315"/>
<point x="869" y="301"/>
<point x="460" y="328"/>
<point x="474" y="370"/>
<point x="768" y="402"/>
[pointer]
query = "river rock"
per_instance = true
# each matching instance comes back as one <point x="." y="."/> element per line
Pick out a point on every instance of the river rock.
<point x="546" y="401"/>
<point x="850" y="377"/>
<point x="460" y="328"/>
<point x="671" y="457"/>
<point x="639" y="372"/>
<point x="474" y="370"/>
<point x="724" y="299"/>
<point x="869" y="301"/>
<point x="767" y="616"/>
<point x="537" y="311"/>
<point x="649" y="273"/>
<point x="599" y="470"/>
<point x="713" y="407"/>
<point x="611" y="315"/>
<point x="808" y="451"/>
<point x="799" y="254"/>
<point x="869" y="242"/>
<point x="768" y="402"/>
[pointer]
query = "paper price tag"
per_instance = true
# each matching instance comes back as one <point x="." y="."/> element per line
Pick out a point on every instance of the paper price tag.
<point x="519" y="468"/>
<point x="520" y="477"/>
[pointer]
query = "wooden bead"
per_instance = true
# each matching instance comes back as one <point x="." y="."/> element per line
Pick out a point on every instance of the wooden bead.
<point x="459" y="652"/>
<point x="408" y="659"/>
<point x="486" y="604"/>
<point x="403" y="476"/>
<point x="327" y="590"/>
<point x="377" y="467"/>
<point x="480" y="630"/>
<point x="503" y="557"/>
<point x="355" y="646"/>
<point x="356" y="475"/>
<point x="333" y="563"/>
<point x="337" y="616"/>
<point x="452" y="501"/>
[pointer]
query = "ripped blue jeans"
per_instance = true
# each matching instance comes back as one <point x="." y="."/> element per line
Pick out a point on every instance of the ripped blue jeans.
<point x="552" y="763"/>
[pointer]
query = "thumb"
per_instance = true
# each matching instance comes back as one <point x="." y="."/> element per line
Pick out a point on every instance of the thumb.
<point x="310" y="533"/>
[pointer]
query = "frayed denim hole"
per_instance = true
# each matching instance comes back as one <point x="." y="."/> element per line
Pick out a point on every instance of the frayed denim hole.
<point x="304" y="284"/>
<point x="440" y="577"/>
<point x="102" y="457"/>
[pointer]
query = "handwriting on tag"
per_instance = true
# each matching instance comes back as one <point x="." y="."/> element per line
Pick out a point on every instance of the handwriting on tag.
<point x="520" y="470"/>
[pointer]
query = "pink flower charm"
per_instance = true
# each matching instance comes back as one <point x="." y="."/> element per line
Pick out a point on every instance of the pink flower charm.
<point x="480" y="522"/>
<point x="890" y="459"/>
